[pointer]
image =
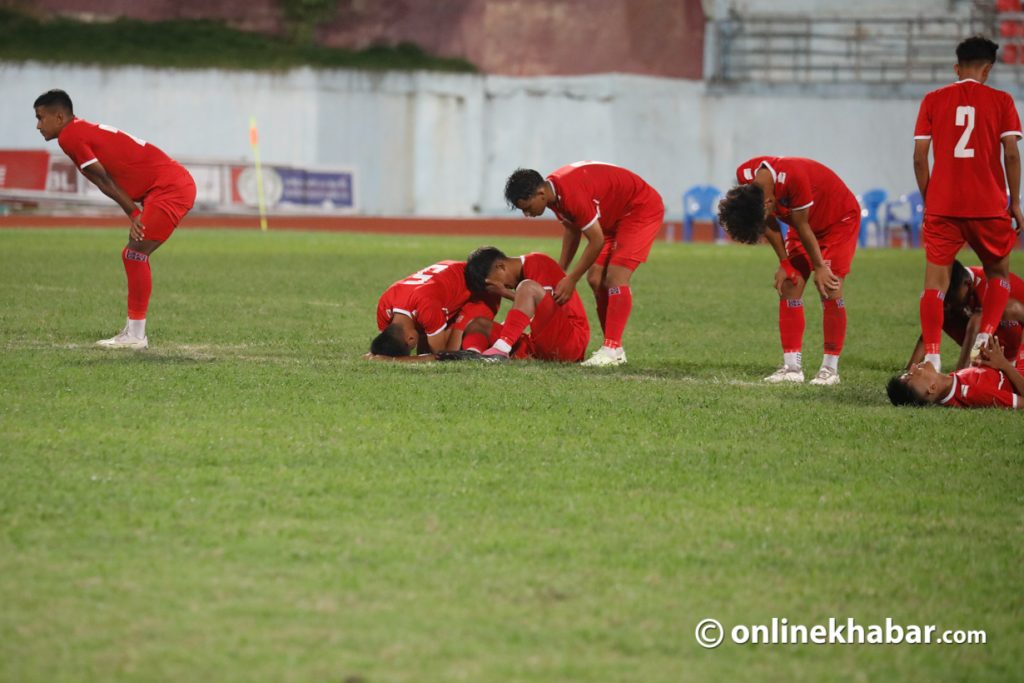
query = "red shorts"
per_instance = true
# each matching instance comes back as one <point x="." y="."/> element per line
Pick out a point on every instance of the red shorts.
<point x="629" y="241"/>
<point x="991" y="238"/>
<point x="165" y="205"/>
<point x="838" y="244"/>
<point x="484" y="307"/>
<point x="553" y="336"/>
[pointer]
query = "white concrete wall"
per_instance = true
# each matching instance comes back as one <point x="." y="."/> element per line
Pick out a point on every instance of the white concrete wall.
<point x="443" y="145"/>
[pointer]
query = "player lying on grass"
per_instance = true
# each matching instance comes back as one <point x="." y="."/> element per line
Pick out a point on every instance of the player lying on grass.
<point x="962" y="318"/>
<point x="427" y="311"/>
<point x="994" y="383"/>
<point x="825" y="219"/>
<point x="971" y="131"/>
<point x="129" y="171"/>
<point x="557" y="333"/>
<point x="619" y="214"/>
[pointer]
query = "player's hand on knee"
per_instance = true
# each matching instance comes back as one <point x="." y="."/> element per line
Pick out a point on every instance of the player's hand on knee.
<point x="563" y="290"/>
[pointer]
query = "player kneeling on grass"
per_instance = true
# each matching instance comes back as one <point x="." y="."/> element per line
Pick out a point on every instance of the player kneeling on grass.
<point x="128" y="170"/>
<point x="428" y="311"/>
<point x="963" y="313"/>
<point x="994" y="383"/>
<point x="825" y="220"/>
<point x="557" y="333"/>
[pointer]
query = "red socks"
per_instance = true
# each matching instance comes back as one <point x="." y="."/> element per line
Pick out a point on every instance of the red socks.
<point x="601" y="297"/>
<point x="515" y="323"/>
<point x="476" y="341"/>
<point x="791" y="324"/>
<point x="834" y="325"/>
<point x="992" y="307"/>
<point x="140" y="282"/>
<point x="620" y="304"/>
<point x="931" y="318"/>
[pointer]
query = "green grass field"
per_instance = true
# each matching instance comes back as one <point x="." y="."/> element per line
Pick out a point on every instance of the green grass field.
<point x="248" y="500"/>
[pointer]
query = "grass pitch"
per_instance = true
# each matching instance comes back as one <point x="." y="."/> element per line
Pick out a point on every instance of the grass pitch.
<point x="249" y="500"/>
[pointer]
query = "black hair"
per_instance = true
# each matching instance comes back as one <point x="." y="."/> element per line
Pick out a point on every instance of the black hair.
<point x="478" y="267"/>
<point x="976" y="49"/>
<point x="522" y="184"/>
<point x="741" y="213"/>
<point x="55" y="98"/>
<point x="957" y="276"/>
<point x="900" y="393"/>
<point x="390" y="342"/>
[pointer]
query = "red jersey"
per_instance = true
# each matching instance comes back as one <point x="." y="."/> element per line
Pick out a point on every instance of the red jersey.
<point x="430" y="297"/>
<point x="983" y="387"/>
<point x="981" y="286"/>
<point x="135" y="165"/>
<point x="804" y="184"/>
<point x="590" y="191"/>
<point x="546" y="272"/>
<point x="966" y="122"/>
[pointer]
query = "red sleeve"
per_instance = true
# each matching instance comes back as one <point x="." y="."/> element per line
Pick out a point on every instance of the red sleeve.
<point x="75" y="146"/>
<point x="430" y="318"/>
<point x="797" y="187"/>
<point x="579" y="204"/>
<point x="1010" y="122"/>
<point x="923" y="128"/>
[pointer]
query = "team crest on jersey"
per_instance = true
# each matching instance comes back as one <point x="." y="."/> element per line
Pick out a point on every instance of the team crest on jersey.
<point x="781" y="177"/>
<point x="748" y="174"/>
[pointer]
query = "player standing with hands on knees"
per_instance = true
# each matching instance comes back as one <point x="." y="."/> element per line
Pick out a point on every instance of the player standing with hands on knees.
<point x="618" y="213"/>
<point x="965" y="192"/>
<point x="824" y="220"/>
<point x="130" y="171"/>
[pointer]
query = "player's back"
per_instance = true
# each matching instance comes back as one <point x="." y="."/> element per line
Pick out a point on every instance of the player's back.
<point x="615" y="190"/>
<point x="134" y="164"/>
<point x="966" y="122"/>
<point x="545" y="271"/>
<point x="441" y="285"/>
<point x="981" y="284"/>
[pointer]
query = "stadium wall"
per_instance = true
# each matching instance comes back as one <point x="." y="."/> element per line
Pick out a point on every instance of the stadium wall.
<point x="427" y="144"/>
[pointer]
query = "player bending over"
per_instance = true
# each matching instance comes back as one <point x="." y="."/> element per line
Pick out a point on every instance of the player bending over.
<point x="618" y="213"/>
<point x="428" y="311"/>
<point x="994" y="383"/>
<point x="962" y="314"/>
<point x="965" y="191"/>
<point x="557" y="333"/>
<point x="130" y="171"/>
<point x="824" y="220"/>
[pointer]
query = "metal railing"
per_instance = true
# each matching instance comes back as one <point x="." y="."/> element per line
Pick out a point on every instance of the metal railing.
<point x="809" y="50"/>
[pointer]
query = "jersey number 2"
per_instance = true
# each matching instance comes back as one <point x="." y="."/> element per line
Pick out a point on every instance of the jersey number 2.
<point x="964" y="117"/>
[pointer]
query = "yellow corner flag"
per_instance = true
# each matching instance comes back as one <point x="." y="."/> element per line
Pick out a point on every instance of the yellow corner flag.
<point x="254" y="140"/>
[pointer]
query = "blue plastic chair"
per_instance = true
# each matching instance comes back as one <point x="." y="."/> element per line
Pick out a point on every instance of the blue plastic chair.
<point x="871" y="203"/>
<point x="907" y="212"/>
<point x="700" y="203"/>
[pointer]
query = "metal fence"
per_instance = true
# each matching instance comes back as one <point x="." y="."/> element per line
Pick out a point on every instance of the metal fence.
<point x="809" y="50"/>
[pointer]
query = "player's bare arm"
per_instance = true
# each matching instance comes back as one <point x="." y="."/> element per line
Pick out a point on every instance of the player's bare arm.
<point x="921" y="170"/>
<point x="98" y="176"/>
<point x="785" y="271"/>
<point x="570" y="244"/>
<point x="971" y="331"/>
<point x="1011" y="160"/>
<point x="595" y="242"/>
<point x="824" y="279"/>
